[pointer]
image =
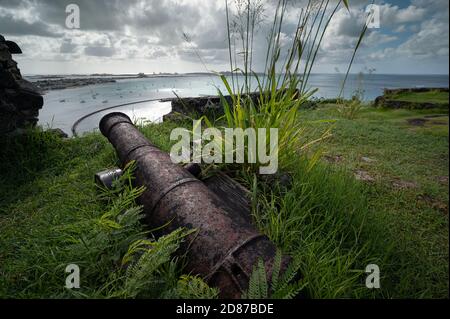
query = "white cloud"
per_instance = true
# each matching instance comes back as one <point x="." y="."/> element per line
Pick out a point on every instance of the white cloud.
<point x="151" y="32"/>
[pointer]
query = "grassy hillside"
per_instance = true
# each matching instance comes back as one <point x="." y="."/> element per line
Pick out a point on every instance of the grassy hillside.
<point x="379" y="194"/>
<point x="402" y="158"/>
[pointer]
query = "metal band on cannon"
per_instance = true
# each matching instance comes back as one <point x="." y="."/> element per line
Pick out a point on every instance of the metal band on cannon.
<point x="226" y="247"/>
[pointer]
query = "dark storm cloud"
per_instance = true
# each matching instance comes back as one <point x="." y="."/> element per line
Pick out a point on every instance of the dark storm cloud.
<point x="153" y="29"/>
<point x="102" y="15"/>
<point x="11" y="3"/>
<point x="12" y="26"/>
<point x="98" y="15"/>
<point x="165" y="20"/>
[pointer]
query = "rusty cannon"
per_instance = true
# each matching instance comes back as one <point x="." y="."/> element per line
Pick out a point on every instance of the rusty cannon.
<point x="226" y="247"/>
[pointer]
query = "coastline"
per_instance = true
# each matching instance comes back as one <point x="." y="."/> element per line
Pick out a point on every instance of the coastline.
<point x="62" y="82"/>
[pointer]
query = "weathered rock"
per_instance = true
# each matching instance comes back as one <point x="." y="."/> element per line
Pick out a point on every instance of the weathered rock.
<point x="13" y="47"/>
<point x="6" y="79"/>
<point x="26" y="99"/>
<point x="5" y="55"/>
<point x="199" y="105"/>
<point x="208" y="104"/>
<point x="20" y="100"/>
<point x="176" y="117"/>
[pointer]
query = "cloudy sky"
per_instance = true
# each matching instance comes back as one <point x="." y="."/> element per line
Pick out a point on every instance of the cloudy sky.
<point x="118" y="36"/>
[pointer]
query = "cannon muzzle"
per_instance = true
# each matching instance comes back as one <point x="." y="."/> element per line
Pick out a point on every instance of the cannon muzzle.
<point x="227" y="245"/>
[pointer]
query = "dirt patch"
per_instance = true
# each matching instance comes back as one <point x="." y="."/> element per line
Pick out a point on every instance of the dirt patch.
<point x="417" y="122"/>
<point x="364" y="176"/>
<point x="336" y="159"/>
<point x="433" y="203"/>
<point x="443" y="180"/>
<point x="401" y="185"/>
<point x="368" y="159"/>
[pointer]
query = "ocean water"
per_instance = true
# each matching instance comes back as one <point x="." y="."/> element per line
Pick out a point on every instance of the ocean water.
<point x="62" y="108"/>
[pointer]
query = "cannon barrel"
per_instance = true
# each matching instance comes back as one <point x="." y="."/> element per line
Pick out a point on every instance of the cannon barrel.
<point x="226" y="247"/>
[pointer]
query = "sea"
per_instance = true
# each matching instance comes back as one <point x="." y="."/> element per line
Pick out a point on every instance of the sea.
<point x="140" y="98"/>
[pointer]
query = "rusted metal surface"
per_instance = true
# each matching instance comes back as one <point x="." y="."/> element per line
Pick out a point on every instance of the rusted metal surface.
<point x="227" y="245"/>
<point x="237" y="197"/>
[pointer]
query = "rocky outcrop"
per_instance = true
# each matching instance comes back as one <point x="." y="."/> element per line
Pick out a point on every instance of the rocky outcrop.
<point x="20" y="100"/>
<point x="197" y="105"/>
<point x="389" y="101"/>
<point x="208" y="104"/>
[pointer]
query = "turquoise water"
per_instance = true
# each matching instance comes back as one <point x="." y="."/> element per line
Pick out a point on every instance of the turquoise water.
<point x="63" y="107"/>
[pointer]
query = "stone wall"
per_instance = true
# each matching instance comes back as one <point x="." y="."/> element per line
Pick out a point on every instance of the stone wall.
<point x="20" y="100"/>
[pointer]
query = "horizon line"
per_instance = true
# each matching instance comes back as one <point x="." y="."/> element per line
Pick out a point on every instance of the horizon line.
<point x="213" y="73"/>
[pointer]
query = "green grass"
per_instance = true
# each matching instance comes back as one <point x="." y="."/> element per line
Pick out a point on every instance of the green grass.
<point x="336" y="225"/>
<point x="422" y="97"/>
<point x="409" y="194"/>
<point x="52" y="215"/>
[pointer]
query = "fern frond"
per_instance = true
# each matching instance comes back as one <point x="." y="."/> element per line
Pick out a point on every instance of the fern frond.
<point x="190" y="287"/>
<point x="290" y="291"/>
<point x="142" y="274"/>
<point x="276" y="270"/>
<point x="253" y="284"/>
<point x="263" y="285"/>
<point x="280" y="287"/>
<point x="289" y="274"/>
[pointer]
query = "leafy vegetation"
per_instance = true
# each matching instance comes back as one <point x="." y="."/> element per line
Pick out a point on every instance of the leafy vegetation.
<point x="279" y="286"/>
<point x="397" y="219"/>
<point x="51" y="212"/>
<point x="52" y="215"/>
<point x="283" y="88"/>
<point x="350" y="109"/>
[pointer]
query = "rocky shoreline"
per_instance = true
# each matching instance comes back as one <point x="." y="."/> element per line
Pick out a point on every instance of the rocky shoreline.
<point x="62" y="84"/>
